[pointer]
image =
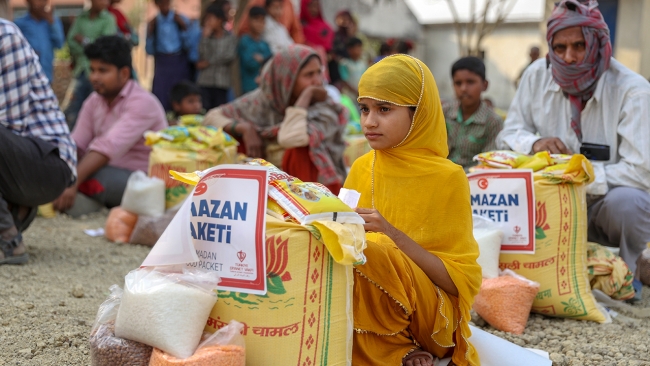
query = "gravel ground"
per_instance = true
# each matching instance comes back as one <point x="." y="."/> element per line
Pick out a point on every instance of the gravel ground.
<point x="48" y="306"/>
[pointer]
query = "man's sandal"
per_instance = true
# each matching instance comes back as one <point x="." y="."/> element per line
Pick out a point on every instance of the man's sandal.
<point x="420" y="353"/>
<point x="8" y="247"/>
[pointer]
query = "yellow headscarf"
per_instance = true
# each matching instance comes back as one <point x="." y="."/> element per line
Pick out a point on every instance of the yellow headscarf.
<point x="415" y="187"/>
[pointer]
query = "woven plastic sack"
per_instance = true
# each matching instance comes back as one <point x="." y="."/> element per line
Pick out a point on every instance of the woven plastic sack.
<point x="306" y="316"/>
<point x="559" y="264"/>
<point x="226" y="347"/>
<point x="163" y="159"/>
<point x="505" y="301"/>
<point x="166" y="310"/>
<point x="119" y="225"/>
<point x="143" y="195"/>
<point x="105" y="348"/>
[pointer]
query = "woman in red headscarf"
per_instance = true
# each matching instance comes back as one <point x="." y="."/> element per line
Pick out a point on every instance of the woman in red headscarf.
<point x="317" y="32"/>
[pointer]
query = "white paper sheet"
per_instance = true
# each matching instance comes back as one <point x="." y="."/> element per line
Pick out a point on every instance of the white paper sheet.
<point x="496" y="351"/>
<point x="350" y="197"/>
<point x="170" y="249"/>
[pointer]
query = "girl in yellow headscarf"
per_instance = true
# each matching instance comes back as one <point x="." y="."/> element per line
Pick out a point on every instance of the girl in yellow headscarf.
<point x="413" y="295"/>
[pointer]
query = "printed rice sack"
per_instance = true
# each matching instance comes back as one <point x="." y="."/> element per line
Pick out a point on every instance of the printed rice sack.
<point x="559" y="264"/>
<point x="164" y="158"/>
<point x="304" y="319"/>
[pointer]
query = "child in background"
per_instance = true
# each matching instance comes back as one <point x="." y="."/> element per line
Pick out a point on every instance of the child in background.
<point x="352" y="67"/>
<point x="186" y="101"/>
<point x="87" y="27"/>
<point x="275" y="34"/>
<point x="217" y="51"/>
<point x="253" y="50"/>
<point x="169" y="42"/>
<point x="384" y="50"/>
<point x="472" y="126"/>
<point x="123" y="27"/>
<point x="44" y="32"/>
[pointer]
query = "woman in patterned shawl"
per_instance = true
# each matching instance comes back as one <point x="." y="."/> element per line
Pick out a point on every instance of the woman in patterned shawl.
<point x="290" y="120"/>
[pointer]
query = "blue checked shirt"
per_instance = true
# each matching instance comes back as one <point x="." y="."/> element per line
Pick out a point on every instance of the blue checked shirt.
<point x="28" y="106"/>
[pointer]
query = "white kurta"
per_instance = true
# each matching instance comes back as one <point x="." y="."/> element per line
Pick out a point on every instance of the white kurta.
<point x="617" y="115"/>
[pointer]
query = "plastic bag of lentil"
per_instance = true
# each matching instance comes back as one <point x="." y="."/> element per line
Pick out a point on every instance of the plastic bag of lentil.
<point x="108" y="350"/>
<point x="225" y="347"/>
<point x="505" y="301"/>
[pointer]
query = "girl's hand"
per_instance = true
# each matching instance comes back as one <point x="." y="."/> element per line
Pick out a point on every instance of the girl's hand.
<point x="375" y="221"/>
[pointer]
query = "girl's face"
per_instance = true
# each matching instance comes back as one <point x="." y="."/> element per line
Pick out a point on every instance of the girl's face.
<point x="384" y="124"/>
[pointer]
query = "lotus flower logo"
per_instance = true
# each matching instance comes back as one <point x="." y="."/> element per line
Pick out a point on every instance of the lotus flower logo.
<point x="277" y="259"/>
<point x="540" y="223"/>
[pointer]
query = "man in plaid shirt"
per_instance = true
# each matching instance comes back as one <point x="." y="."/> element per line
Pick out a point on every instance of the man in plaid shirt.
<point x="37" y="155"/>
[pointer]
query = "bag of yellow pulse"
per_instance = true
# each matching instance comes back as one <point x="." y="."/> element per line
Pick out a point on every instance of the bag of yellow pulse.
<point x="191" y="120"/>
<point x="538" y="161"/>
<point x="502" y="159"/>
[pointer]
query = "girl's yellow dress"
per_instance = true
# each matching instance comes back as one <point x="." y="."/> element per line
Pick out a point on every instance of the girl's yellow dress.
<point x="397" y="308"/>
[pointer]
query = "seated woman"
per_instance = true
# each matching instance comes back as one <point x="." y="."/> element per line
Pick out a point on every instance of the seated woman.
<point x="290" y="110"/>
<point x="414" y="294"/>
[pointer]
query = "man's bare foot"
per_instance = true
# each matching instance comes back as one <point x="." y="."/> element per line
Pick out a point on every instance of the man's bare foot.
<point x="418" y="358"/>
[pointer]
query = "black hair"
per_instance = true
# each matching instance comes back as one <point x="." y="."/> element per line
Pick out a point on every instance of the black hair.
<point x="257" y="11"/>
<point x="216" y="9"/>
<point x="471" y="64"/>
<point x="311" y="57"/>
<point x="113" y="50"/>
<point x="384" y="49"/>
<point x="402" y="47"/>
<point x="182" y="90"/>
<point x="352" y="42"/>
<point x="269" y="2"/>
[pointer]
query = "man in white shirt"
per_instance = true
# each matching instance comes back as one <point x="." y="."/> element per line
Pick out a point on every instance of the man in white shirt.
<point x="579" y="95"/>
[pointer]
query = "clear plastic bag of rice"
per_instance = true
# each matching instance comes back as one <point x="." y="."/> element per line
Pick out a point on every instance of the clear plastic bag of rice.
<point x="226" y="347"/>
<point x="166" y="310"/>
<point x="105" y="348"/>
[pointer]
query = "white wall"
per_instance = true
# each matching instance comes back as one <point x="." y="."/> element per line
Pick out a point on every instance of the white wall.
<point x="382" y="19"/>
<point x="632" y="49"/>
<point x="506" y="52"/>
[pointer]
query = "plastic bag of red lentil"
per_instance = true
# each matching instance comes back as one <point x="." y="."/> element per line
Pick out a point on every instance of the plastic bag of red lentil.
<point x="225" y="347"/>
<point x="505" y="302"/>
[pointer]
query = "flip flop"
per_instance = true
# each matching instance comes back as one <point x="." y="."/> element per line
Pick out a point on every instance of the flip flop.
<point x="7" y="248"/>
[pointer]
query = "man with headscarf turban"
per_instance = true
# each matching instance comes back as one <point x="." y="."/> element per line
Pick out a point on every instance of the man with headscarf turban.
<point x="579" y="94"/>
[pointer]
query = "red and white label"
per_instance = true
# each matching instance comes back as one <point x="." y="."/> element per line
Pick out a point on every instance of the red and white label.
<point x="507" y="197"/>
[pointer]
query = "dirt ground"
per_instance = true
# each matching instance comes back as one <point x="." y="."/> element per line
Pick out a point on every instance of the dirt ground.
<point x="47" y="307"/>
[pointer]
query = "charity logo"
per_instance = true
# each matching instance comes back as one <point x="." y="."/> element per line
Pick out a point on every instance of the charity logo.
<point x="241" y="255"/>
<point x="483" y="183"/>
<point x="200" y="189"/>
<point x="517" y="229"/>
